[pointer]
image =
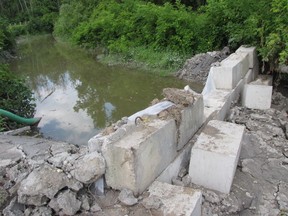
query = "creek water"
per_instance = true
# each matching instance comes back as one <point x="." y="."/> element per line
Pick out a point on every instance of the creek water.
<point x="76" y="96"/>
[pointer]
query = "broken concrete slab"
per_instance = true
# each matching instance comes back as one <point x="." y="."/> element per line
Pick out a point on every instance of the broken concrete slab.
<point x="252" y="58"/>
<point x="43" y="183"/>
<point x="215" y="155"/>
<point x="258" y="94"/>
<point x="175" y="200"/>
<point x="89" y="168"/>
<point x="135" y="160"/>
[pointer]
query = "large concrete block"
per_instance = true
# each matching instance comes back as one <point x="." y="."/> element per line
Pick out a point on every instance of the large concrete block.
<point x="217" y="103"/>
<point x="137" y="159"/>
<point x="175" y="200"/>
<point x="252" y="54"/>
<point x="252" y="57"/>
<point x="215" y="155"/>
<point x="192" y="118"/>
<point x="258" y="94"/>
<point x="230" y="71"/>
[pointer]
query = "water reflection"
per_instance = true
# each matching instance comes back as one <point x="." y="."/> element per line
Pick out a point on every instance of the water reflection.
<point x="77" y="96"/>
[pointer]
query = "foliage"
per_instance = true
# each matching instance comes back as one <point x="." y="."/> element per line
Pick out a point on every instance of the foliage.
<point x="6" y="39"/>
<point x="38" y="15"/>
<point x="262" y="23"/>
<point x="73" y="13"/>
<point x="15" y="96"/>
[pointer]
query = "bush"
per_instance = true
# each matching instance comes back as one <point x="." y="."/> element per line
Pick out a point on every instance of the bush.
<point x="15" y="96"/>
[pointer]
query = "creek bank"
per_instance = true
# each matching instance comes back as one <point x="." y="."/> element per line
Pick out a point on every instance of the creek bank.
<point x="42" y="177"/>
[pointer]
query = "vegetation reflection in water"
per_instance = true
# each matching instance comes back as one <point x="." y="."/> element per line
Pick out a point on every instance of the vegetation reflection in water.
<point x="78" y="96"/>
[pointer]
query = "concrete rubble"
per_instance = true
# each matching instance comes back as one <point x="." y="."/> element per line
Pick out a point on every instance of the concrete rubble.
<point x="143" y="164"/>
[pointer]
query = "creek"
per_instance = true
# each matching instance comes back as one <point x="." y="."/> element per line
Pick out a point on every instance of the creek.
<point x="76" y="95"/>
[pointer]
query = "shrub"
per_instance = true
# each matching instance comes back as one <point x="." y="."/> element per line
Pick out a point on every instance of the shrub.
<point x="15" y="96"/>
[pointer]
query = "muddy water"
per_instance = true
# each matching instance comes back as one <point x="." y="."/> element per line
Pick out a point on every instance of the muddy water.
<point x="77" y="96"/>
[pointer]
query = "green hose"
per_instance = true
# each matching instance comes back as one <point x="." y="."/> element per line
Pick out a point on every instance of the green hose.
<point x="18" y="119"/>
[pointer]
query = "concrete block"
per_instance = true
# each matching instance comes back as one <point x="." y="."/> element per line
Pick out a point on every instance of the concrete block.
<point x="252" y="54"/>
<point x="182" y="160"/>
<point x="218" y="103"/>
<point x="138" y="158"/>
<point x="175" y="200"/>
<point x="192" y="118"/>
<point x="258" y="94"/>
<point x="215" y="155"/>
<point x="231" y="70"/>
<point x="253" y="59"/>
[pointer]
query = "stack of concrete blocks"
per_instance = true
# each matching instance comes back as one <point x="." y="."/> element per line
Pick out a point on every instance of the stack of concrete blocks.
<point x="229" y="79"/>
<point x="258" y="94"/>
<point x="215" y="155"/>
<point x="136" y="155"/>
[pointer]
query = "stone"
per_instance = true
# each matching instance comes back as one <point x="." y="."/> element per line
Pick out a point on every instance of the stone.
<point x="192" y="118"/>
<point x="231" y="71"/>
<point x="186" y="180"/>
<point x="252" y="55"/>
<point x="43" y="184"/>
<point x="177" y="181"/>
<point x="136" y="160"/>
<point x="43" y="211"/>
<point x="215" y="155"/>
<point x="257" y="94"/>
<point x="68" y="203"/>
<point x="89" y="168"/>
<point x="85" y="203"/>
<point x="175" y="200"/>
<point x="127" y="198"/>
<point x="14" y="208"/>
<point x="183" y="171"/>
<point x="95" y="208"/>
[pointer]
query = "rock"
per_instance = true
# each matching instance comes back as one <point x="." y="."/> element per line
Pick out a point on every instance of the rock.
<point x="54" y="205"/>
<point x="58" y="159"/>
<point x="89" y="168"/>
<point x="68" y="203"/>
<point x="126" y="197"/>
<point x="178" y="96"/>
<point x="43" y="184"/>
<point x="177" y="181"/>
<point x="14" y="208"/>
<point x="85" y="203"/>
<point x="183" y="171"/>
<point x="95" y="208"/>
<point x="186" y="180"/>
<point x="38" y="211"/>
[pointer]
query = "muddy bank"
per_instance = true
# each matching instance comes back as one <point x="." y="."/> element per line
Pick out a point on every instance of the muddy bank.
<point x="197" y="68"/>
